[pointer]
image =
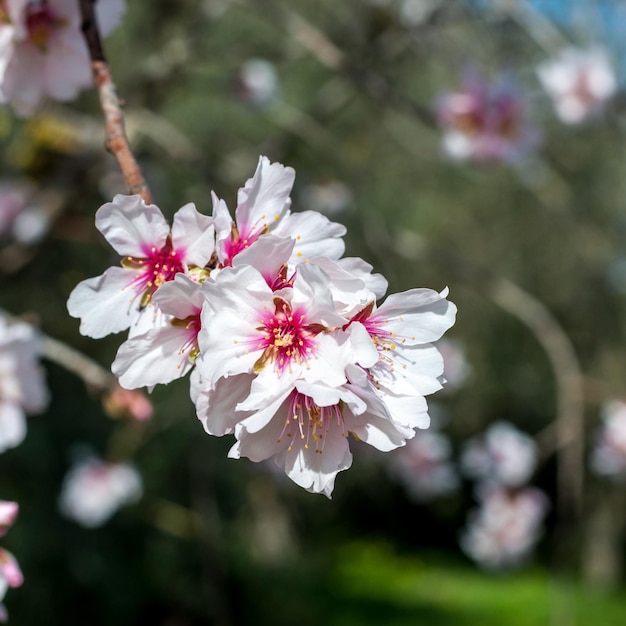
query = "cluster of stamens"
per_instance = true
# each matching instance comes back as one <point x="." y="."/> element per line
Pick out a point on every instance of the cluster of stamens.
<point x="286" y="338"/>
<point x="310" y="422"/>
<point x="40" y="22"/>
<point x="190" y="348"/>
<point x="158" y="267"/>
<point x="386" y="341"/>
<point x="239" y="241"/>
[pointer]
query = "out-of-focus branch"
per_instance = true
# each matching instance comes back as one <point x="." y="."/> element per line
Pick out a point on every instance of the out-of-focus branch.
<point x="540" y="28"/>
<point x="76" y="362"/>
<point x="569" y="425"/>
<point x="116" y="139"/>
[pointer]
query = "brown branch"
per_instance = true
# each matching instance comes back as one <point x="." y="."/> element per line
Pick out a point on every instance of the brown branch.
<point x="116" y="139"/>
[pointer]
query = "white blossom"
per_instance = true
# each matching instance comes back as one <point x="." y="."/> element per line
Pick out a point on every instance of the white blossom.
<point x="153" y="255"/>
<point x="503" y="531"/>
<point x="43" y="52"/>
<point x="579" y="82"/>
<point x="502" y="456"/>
<point x="424" y="466"/>
<point x="608" y="457"/>
<point x="93" y="490"/>
<point x="22" y="386"/>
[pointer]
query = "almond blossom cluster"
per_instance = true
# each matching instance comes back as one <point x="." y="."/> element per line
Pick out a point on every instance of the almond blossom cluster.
<point x="42" y="50"/>
<point x="285" y="342"/>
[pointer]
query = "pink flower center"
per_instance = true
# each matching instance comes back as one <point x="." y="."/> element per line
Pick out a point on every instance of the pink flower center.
<point x="243" y="236"/>
<point x="287" y="337"/>
<point x="475" y="114"/>
<point x="238" y="242"/>
<point x="311" y="423"/>
<point x="158" y="267"/>
<point x="40" y="23"/>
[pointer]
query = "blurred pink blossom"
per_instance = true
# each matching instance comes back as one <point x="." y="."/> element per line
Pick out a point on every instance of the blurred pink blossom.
<point x="120" y="402"/>
<point x="485" y="121"/>
<point x="8" y="513"/>
<point x="10" y="572"/>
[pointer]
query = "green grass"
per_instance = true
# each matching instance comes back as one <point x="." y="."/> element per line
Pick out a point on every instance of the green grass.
<point x="373" y="584"/>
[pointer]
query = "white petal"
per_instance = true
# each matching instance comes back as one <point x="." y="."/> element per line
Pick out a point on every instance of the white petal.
<point x="261" y="444"/>
<point x="315" y="235"/>
<point x="264" y="411"/>
<point x="314" y="471"/>
<point x="416" y="371"/>
<point x="216" y="407"/>
<point x="152" y="358"/>
<point x="12" y="425"/>
<point x="356" y="266"/>
<point x="417" y="315"/>
<point x="365" y="351"/>
<point x="105" y="304"/>
<point x="131" y="226"/>
<point x="377" y="431"/>
<point x="267" y="254"/>
<point x="265" y="197"/>
<point x="193" y="232"/>
<point x="180" y="297"/>
<point x="409" y="411"/>
<point x="223" y="223"/>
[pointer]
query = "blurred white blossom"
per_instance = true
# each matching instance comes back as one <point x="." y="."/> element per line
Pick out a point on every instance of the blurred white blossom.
<point x="504" y="456"/>
<point x="14" y="198"/>
<point x="424" y="466"/>
<point x="579" y="82"/>
<point x="327" y="196"/>
<point x="43" y="52"/>
<point x="93" y="490"/>
<point x="258" y="82"/>
<point x="503" y="531"/>
<point x="608" y="457"/>
<point x="455" y="366"/>
<point x="22" y="385"/>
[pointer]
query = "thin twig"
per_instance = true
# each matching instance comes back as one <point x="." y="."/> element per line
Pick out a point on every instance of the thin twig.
<point x="116" y="139"/>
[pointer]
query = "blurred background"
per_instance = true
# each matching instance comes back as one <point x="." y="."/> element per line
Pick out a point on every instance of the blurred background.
<point x="477" y="145"/>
